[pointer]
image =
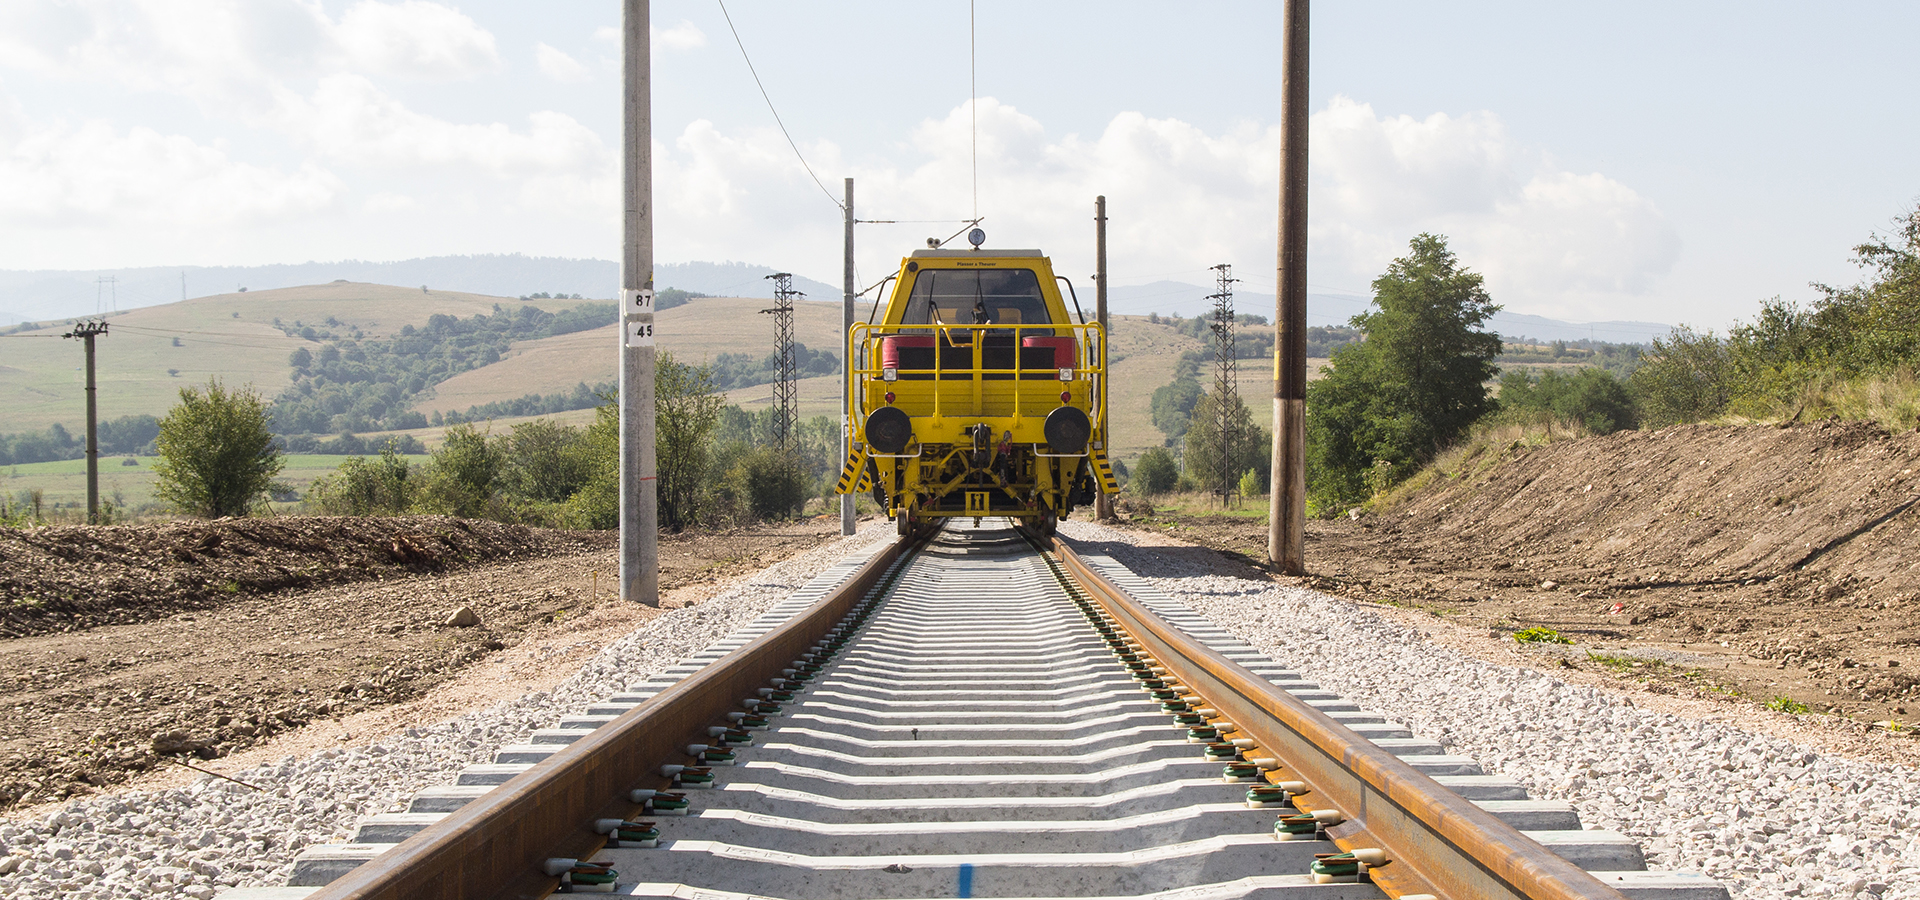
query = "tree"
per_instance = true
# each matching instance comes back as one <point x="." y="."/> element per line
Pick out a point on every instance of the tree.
<point x="686" y="408"/>
<point x="217" y="454"/>
<point x="1156" y="472"/>
<point x="1173" y="403"/>
<point x="1415" y="384"/>
<point x="1215" y="461"/>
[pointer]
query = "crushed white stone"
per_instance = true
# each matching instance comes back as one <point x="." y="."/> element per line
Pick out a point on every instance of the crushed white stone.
<point x="1766" y="817"/>
<point x="198" y="840"/>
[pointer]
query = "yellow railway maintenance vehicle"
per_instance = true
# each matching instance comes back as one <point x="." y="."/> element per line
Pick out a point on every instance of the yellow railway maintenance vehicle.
<point x="976" y="394"/>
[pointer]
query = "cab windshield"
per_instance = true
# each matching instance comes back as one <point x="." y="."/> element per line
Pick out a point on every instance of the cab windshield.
<point x="978" y="297"/>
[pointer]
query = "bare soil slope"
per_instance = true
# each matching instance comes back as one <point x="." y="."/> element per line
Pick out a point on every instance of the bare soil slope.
<point x="1758" y="561"/>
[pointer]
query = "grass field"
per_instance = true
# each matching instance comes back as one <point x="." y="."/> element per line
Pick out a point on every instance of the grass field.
<point x="63" y="484"/>
<point x="694" y="333"/>
<point x="149" y="354"/>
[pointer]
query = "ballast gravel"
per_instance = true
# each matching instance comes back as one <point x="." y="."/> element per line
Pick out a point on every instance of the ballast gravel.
<point x="198" y="840"/>
<point x="1767" y="818"/>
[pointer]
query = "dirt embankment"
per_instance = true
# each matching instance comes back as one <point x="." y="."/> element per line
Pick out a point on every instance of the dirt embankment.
<point x="192" y="640"/>
<point x="73" y="577"/>
<point x="1761" y="561"/>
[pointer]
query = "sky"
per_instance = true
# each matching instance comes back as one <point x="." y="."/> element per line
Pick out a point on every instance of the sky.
<point x="1666" y="162"/>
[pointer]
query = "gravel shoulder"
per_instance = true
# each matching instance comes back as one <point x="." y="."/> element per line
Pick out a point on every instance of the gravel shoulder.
<point x="165" y="838"/>
<point x="1775" y="806"/>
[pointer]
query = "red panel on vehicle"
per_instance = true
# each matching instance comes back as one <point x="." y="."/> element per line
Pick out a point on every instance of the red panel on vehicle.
<point x="891" y="344"/>
<point x="1063" y="349"/>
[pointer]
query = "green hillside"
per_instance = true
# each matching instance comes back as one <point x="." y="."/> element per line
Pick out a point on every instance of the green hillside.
<point x="244" y="339"/>
<point x="148" y="354"/>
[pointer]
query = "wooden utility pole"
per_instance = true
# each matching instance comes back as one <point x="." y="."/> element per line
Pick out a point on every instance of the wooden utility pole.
<point x="639" y="485"/>
<point x="846" y="365"/>
<point x="1102" y="502"/>
<point x="1287" y="514"/>
<point x="86" y="332"/>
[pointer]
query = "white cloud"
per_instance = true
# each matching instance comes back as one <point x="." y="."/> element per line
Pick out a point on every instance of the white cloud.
<point x="1183" y="199"/>
<point x="349" y="120"/>
<point x="684" y="36"/>
<point x="558" y="66"/>
<point x="1547" y="239"/>
<point x="95" y="175"/>
<point x="415" y="38"/>
<point x="223" y="53"/>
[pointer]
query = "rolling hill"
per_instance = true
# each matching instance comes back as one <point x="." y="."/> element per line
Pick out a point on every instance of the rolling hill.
<point x="233" y="336"/>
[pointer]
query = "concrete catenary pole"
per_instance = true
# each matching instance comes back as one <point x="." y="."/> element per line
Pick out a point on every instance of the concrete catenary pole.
<point x="846" y="384"/>
<point x="86" y="331"/>
<point x="1103" y="503"/>
<point x="639" y="497"/>
<point x="1287" y="514"/>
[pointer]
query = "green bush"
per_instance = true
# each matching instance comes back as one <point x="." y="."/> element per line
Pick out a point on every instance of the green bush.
<point x="1540" y="634"/>
<point x="360" y="487"/>
<point x="770" y="483"/>
<point x="1156" y="472"/>
<point x="1593" y="397"/>
<point x="1251" y="484"/>
<point x="217" y="453"/>
<point x="464" y="476"/>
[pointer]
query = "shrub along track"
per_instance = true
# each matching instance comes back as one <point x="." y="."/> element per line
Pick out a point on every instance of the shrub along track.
<point x="194" y="639"/>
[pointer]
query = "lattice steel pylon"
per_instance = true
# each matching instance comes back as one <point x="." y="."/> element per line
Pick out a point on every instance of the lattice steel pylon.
<point x="786" y="408"/>
<point x="1225" y="379"/>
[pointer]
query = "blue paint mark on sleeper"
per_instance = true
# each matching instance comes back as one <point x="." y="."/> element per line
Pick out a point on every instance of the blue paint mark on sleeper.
<point x="966" y="880"/>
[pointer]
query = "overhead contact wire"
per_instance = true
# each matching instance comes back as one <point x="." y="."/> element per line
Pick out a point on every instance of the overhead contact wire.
<point x="776" y="113"/>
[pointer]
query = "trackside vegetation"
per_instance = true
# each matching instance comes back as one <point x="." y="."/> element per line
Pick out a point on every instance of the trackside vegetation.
<point x="717" y="465"/>
<point x="1416" y="381"/>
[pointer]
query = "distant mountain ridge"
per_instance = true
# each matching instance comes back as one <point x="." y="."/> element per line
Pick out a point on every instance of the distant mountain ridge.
<point x="52" y="295"/>
<point x="1170" y="297"/>
<point x="33" y="296"/>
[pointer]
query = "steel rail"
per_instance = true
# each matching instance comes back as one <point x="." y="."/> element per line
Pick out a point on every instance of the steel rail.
<point x="495" y="847"/>
<point x="1435" y="841"/>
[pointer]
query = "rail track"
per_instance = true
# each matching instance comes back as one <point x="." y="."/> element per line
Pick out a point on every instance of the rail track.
<point x="980" y="712"/>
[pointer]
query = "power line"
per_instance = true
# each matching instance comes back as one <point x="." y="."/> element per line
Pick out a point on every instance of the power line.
<point x="973" y="102"/>
<point x="776" y="113"/>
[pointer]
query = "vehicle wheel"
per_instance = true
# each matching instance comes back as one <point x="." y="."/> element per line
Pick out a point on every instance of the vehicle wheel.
<point x="903" y="523"/>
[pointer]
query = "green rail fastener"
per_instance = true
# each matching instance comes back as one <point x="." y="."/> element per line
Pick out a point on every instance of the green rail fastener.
<point x="588" y="877"/>
<point x="1264" y="796"/>
<point x="1239" y="772"/>
<point x="660" y="803"/>
<point x="620" y="834"/>
<point x="689" y="776"/>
